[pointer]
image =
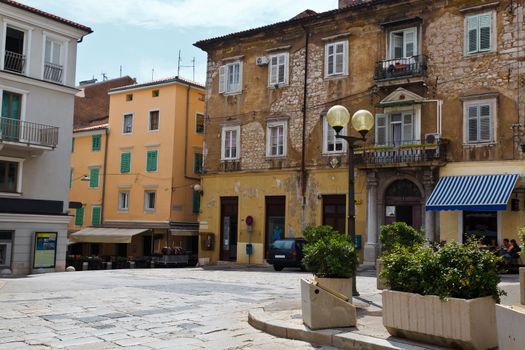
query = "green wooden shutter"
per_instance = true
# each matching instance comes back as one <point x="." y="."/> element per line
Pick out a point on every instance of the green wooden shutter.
<point x="151" y="161"/>
<point x="95" y="142"/>
<point x="125" y="162"/>
<point x="72" y="145"/>
<point x="79" y="217"/>
<point x="196" y="202"/>
<point x="197" y="163"/>
<point x="95" y="216"/>
<point x="70" y="178"/>
<point x="93" y="177"/>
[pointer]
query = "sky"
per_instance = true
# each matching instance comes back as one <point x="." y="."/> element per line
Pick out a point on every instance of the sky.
<point x="144" y="36"/>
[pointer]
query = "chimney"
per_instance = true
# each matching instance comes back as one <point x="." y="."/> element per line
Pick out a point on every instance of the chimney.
<point x="346" y="3"/>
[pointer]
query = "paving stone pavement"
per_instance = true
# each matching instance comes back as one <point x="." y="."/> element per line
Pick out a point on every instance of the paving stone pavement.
<point x="180" y="309"/>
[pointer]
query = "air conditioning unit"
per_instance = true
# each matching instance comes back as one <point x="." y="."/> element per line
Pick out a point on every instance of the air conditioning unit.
<point x="432" y="139"/>
<point x="262" y="60"/>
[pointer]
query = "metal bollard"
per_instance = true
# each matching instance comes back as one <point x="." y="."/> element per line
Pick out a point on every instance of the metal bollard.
<point x="85" y="266"/>
<point x="109" y="265"/>
<point x="152" y="264"/>
<point x="131" y="264"/>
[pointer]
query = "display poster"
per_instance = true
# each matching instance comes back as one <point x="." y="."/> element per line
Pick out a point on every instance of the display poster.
<point x="45" y="250"/>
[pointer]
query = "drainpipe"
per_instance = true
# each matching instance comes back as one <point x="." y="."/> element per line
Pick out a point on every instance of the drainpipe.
<point x="104" y="176"/>
<point x="303" y="140"/>
<point x="186" y="136"/>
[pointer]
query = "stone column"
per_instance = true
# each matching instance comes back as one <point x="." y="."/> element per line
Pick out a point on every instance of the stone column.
<point x="428" y="184"/>
<point x="371" y="220"/>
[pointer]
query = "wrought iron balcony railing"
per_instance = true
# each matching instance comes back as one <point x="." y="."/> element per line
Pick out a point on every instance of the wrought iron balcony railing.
<point x="14" y="62"/>
<point x="14" y="130"/>
<point x="53" y="72"/>
<point x="400" y="68"/>
<point x="409" y="152"/>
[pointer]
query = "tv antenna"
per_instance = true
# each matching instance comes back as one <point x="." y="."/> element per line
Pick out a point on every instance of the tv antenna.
<point x="179" y="65"/>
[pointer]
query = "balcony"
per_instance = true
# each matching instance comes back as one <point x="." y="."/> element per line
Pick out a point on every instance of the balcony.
<point x="14" y="62"/>
<point x="411" y="153"/>
<point x="19" y="134"/>
<point x="398" y="68"/>
<point x="53" y="72"/>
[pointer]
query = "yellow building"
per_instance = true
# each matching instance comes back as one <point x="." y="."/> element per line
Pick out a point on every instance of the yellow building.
<point x="86" y="177"/>
<point x="154" y="159"/>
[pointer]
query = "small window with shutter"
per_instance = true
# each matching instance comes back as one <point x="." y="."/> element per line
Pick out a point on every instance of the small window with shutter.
<point x="278" y="70"/>
<point x="95" y="142"/>
<point x="95" y="215"/>
<point x="125" y="162"/>
<point x="380" y="129"/>
<point x="94" y="174"/>
<point x="79" y="216"/>
<point x="479" y="36"/>
<point x="479" y="125"/>
<point x="151" y="160"/>
<point x="230" y="78"/>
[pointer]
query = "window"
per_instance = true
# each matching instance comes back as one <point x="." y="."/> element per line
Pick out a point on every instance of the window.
<point x="72" y="145"/>
<point x="396" y="129"/>
<point x="336" y="58"/>
<point x="196" y="202"/>
<point x="197" y="163"/>
<point x="403" y="43"/>
<point x="230" y="78"/>
<point x="199" y="123"/>
<point x="53" y="69"/>
<point x="125" y="162"/>
<point x="276" y="135"/>
<point x="95" y="215"/>
<point x="9" y="176"/>
<point x="129" y="97"/>
<point x="153" y="120"/>
<point x="128" y="124"/>
<point x="79" y="216"/>
<point x="149" y="200"/>
<point x="330" y="143"/>
<point x="478" y="34"/>
<point x="155" y="93"/>
<point x="70" y="178"/>
<point x="230" y="146"/>
<point x="94" y="177"/>
<point x="278" y="69"/>
<point x="95" y="142"/>
<point x="15" y="44"/>
<point x="479" y="121"/>
<point x="123" y="200"/>
<point x="151" y="160"/>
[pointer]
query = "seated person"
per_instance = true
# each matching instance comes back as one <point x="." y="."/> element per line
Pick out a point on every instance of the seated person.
<point x="512" y="251"/>
<point x="493" y="245"/>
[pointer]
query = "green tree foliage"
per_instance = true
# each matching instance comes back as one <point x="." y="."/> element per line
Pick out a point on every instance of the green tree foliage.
<point x="452" y="271"/>
<point x="399" y="233"/>
<point x="328" y="253"/>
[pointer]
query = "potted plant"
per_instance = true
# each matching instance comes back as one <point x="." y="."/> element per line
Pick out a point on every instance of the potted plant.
<point x="447" y="296"/>
<point x="397" y="233"/>
<point x="332" y="258"/>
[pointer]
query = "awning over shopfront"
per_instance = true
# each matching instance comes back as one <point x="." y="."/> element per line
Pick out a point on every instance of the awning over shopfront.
<point x="104" y="235"/>
<point x="474" y="192"/>
<point x="184" y="232"/>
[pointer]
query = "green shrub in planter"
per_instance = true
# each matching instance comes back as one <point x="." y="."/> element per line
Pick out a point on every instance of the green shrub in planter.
<point x="399" y="233"/>
<point x="521" y="235"/>
<point x="328" y="253"/>
<point x="452" y="271"/>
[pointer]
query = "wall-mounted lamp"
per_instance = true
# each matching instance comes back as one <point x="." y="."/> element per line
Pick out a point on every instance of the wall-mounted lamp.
<point x="85" y="178"/>
<point x="198" y="188"/>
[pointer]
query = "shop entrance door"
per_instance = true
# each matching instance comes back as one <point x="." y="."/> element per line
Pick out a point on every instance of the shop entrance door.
<point x="275" y="220"/>
<point x="334" y="212"/>
<point x="6" y="243"/>
<point x="403" y="204"/>
<point x="229" y="220"/>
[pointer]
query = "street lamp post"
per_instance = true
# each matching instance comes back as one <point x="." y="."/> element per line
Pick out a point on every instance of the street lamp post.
<point x="362" y="121"/>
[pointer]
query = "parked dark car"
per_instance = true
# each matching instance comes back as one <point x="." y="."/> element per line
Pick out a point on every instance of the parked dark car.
<point x="286" y="252"/>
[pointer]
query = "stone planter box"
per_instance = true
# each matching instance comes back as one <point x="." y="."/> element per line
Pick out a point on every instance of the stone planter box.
<point x="522" y="285"/>
<point x="510" y="327"/>
<point x="340" y="285"/>
<point x="322" y="309"/>
<point x="467" y="324"/>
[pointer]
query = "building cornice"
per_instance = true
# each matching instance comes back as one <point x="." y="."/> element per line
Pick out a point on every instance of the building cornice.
<point x="32" y="218"/>
<point x="37" y="82"/>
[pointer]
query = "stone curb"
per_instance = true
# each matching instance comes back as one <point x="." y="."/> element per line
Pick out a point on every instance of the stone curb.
<point x="260" y="320"/>
<point x="2" y="284"/>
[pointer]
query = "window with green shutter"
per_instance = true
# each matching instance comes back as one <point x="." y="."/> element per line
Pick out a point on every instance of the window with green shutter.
<point x="125" y="162"/>
<point x="196" y="202"/>
<point x="70" y="178"/>
<point x="72" y="145"/>
<point x="79" y="217"/>
<point x="151" y="161"/>
<point x="197" y="163"/>
<point x="95" y="216"/>
<point x="95" y="142"/>
<point x="93" y="177"/>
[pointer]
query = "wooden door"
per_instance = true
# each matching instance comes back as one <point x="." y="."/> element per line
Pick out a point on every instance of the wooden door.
<point x="229" y="223"/>
<point x="334" y="212"/>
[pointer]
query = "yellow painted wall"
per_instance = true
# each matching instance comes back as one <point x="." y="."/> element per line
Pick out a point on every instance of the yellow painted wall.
<point x="510" y="220"/>
<point x="251" y="189"/>
<point x="82" y="158"/>
<point x="168" y="181"/>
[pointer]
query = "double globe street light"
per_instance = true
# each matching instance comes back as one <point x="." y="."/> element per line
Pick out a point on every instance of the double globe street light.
<point x="338" y="118"/>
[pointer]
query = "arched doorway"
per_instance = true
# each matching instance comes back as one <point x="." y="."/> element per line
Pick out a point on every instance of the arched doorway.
<point x="403" y="203"/>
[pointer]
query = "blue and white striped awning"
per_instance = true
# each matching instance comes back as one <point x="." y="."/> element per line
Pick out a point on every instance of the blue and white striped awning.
<point x="474" y="192"/>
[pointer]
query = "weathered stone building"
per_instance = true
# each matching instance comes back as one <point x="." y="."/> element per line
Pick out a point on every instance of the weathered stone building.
<point x="443" y="80"/>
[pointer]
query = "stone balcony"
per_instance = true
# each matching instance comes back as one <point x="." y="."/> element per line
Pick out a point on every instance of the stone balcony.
<point x="406" y="155"/>
<point x="400" y="70"/>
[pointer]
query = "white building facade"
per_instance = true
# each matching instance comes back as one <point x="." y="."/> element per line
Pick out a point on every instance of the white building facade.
<point x="37" y="88"/>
